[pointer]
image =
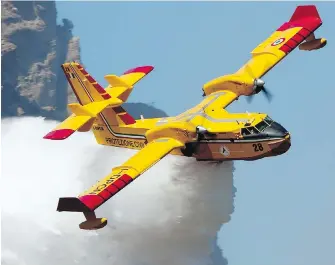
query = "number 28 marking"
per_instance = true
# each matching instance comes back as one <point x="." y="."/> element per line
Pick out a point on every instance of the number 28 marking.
<point x="257" y="147"/>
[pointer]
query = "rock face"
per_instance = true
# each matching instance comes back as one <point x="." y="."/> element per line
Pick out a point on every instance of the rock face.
<point x="32" y="49"/>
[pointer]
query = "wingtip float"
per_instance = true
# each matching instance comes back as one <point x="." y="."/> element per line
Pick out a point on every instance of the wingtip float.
<point x="205" y="132"/>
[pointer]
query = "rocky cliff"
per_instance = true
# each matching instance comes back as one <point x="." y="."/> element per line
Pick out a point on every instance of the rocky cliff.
<point x="33" y="47"/>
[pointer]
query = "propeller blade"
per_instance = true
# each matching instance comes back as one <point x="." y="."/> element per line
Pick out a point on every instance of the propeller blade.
<point x="260" y="84"/>
<point x="267" y="94"/>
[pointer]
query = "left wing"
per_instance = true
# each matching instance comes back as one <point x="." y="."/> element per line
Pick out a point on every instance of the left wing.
<point x="120" y="177"/>
<point x="304" y="21"/>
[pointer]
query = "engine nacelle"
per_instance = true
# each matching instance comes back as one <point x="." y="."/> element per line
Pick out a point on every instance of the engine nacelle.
<point x="314" y="44"/>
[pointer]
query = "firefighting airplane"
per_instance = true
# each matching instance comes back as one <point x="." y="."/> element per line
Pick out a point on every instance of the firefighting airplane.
<point x="205" y="132"/>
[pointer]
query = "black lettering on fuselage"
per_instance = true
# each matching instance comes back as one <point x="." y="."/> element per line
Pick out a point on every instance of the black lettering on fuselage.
<point x="98" y="128"/>
<point x="124" y="142"/>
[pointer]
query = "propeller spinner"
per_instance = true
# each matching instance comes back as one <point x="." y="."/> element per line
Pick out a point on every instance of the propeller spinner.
<point x="258" y="87"/>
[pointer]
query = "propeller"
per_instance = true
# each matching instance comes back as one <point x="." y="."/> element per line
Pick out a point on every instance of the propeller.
<point x="258" y="87"/>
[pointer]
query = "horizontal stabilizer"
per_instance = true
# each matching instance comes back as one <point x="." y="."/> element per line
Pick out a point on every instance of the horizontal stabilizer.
<point x="68" y="127"/>
<point x="121" y="86"/>
<point x="94" y="108"/>
<point x="132" y="76"/>
<point x="116" y="81"/>
<point x="81" y="119"/>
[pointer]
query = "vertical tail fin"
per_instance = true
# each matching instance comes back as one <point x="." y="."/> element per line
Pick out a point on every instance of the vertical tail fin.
<point x="84" y="86"/>
<point x="87" y="91"/>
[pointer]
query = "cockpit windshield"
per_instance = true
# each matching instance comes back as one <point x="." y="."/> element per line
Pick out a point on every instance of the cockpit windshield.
<point x="259" y="127"/>
<point x="268" y="120"/>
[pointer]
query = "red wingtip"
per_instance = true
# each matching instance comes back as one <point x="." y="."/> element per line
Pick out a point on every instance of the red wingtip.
<point x="141" y="69"/>
<point x="59" y="134"/>
<point x="303" y="16"/>
<point x="302" y="12"/>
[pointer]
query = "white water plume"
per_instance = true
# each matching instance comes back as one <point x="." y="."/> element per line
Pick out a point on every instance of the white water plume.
<point x="169" y="215"/>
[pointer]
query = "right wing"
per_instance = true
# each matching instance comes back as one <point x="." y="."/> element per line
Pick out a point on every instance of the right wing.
<point x="119" y="177"/>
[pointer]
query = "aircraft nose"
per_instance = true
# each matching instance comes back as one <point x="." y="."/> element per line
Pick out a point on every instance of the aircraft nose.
<point x="282" y="146"/>
<point x="276" y="130"/>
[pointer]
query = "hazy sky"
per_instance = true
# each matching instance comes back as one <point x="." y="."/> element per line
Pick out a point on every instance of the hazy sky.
<point x="284" y="206"/>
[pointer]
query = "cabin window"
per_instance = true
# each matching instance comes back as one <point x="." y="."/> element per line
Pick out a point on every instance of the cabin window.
<point x="245" y="131"/>
<point x="261" y="126"/>
<point x="249" y="130"/>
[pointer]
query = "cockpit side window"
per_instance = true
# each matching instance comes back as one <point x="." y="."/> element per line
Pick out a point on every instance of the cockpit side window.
<point x="245" y="131"/>
<point x="253" y="130"/>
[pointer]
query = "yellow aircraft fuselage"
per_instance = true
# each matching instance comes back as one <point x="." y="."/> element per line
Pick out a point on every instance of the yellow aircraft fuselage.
<point x="220" y="135"/>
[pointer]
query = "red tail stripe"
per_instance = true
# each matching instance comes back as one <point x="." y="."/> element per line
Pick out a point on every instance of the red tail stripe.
<point x="90" y="79"/>
<point x="99" y="88"/>
<point x="106" y="96"/>
<point x="83" y="71"/>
